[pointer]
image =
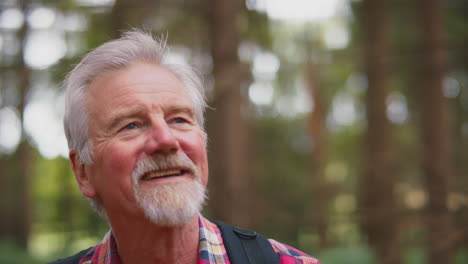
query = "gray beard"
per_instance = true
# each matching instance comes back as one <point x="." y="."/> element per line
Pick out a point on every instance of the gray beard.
<point x="170" y="204"/>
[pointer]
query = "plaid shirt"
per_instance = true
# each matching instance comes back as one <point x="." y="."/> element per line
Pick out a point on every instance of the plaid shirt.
<point x="211" y="249"/>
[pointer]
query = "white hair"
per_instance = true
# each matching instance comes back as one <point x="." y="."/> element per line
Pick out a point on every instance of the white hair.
<point x="134" y="46"/>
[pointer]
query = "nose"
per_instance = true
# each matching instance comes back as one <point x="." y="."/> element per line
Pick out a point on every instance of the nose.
<point x="161" y="139"/>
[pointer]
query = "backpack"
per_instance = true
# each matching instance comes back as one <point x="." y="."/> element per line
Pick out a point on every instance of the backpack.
<point x="243" y="247"/>
<point x="246" y="247"/>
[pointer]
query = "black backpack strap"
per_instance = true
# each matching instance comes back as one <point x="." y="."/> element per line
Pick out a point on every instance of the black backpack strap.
<point x="72" y="259"/>
<point x="246" y="247"/>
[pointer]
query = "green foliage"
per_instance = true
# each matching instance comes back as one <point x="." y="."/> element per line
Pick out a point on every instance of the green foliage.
<point x="363" y="255"/>
<point x="255" y="27"/>
<point x="415" y="256"/>
<point x="10" y="254"/>
<point x="60" y="4"/>
<point x="64" y="222"/>
<point x="347" y="255"/>
<point x="457" y="34"/>
<point x="461" y="256"/>
<point x="283" y="177"/>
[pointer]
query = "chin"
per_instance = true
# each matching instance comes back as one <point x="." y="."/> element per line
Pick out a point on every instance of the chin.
<point x="172" y="205"/>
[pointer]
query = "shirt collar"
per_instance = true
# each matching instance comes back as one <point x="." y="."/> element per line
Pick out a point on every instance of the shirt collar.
<point x="211" y="247"/>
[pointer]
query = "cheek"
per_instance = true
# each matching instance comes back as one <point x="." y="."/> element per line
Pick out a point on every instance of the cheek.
<point x="121" y="158"/>
<point x="118" y="161"/>
<point x="204" y="170"/>
<point x="195" y="148"/>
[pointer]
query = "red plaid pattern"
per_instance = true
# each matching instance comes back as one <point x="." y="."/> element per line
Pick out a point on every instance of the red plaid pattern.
<point x="211" y="249"/>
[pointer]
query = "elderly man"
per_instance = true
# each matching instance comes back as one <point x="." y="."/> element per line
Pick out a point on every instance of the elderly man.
<point x="134" y="126"/>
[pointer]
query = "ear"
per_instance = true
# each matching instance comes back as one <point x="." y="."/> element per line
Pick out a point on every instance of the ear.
<point x="81" y="175"/>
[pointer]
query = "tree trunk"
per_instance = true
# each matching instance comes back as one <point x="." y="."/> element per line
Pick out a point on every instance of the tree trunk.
<point x="378" y="203"/>
<point x="317" y="131"/>
<point x="435" y="132"/>
<point x="16" y="223"/>
<point x="128" y="14"/>
<point x="227" y="126"/>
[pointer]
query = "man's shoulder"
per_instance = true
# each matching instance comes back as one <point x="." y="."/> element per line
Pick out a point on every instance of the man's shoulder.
<point x="242" y="244"/>
<point x="72" y="259"/>
<point x="291" y="255"/>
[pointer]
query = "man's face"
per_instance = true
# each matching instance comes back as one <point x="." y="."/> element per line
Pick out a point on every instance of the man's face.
<point x="148" y="148"/>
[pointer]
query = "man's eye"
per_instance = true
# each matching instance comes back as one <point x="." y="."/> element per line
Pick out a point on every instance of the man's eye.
<point x="131" y="126"/>
<point x="179" y="120"/>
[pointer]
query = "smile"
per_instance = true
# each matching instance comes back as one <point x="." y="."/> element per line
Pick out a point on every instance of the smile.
<point x="162" y="174"/>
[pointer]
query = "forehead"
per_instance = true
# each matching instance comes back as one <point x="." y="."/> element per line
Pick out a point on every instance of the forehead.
<point x="139" y="79"/>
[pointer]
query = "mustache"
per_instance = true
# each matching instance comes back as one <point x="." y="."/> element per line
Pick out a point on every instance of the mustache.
<point x="163" y="162"/>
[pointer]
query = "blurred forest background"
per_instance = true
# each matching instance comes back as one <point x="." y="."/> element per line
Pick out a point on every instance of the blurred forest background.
<point x="339" y="127"/>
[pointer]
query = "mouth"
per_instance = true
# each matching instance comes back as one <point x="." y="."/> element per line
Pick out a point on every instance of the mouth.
<point x="160" y="174"/>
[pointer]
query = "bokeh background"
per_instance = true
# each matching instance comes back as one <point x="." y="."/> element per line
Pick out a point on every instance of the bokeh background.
<point x="337" y="126"/>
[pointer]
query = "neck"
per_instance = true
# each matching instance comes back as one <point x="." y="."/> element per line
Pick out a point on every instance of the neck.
<point x="145" y="242"/>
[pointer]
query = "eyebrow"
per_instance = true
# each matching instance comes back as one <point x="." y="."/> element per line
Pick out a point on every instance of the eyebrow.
<point x="118" y="116"/>
<point x="181" y="109"/>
